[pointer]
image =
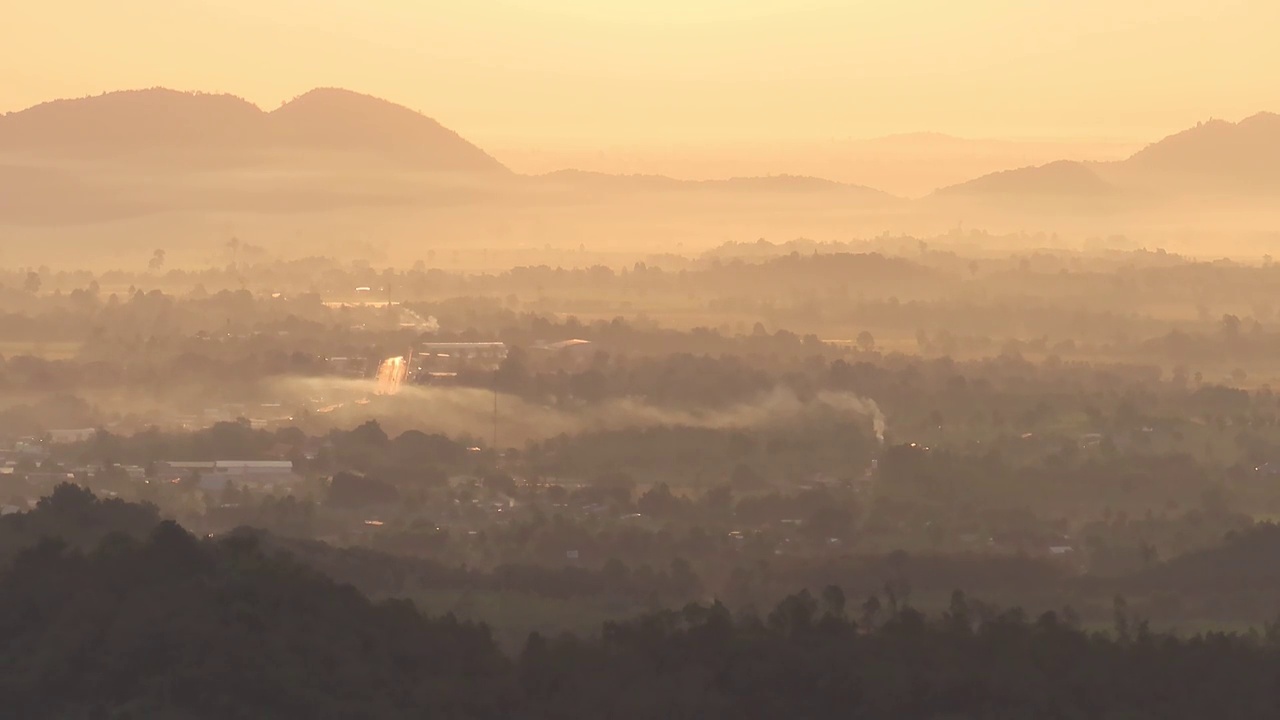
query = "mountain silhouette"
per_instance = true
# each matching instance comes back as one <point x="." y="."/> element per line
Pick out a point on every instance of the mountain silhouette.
<point x="342" y="120"/>
<point x="190" y="127"/>
<point x="1215" y="156"/>
<point x="1217" y="151"/>
<point x="132" y="120"/>
<point x="330" y="124"/>
<point x="189" y="157"/>
<point x="1063" y="178"/>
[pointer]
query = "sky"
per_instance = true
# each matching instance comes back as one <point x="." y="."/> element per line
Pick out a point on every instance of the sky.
<point x="602" y="73"/>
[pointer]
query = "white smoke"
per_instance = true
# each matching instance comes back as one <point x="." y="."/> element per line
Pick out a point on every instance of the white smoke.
<point x="470" y="411"/>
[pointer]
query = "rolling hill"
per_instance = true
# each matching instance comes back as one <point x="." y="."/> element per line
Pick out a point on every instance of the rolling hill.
<point x="1215" y="167"/>
<point x="153" y="164"/>
<point x="1063" y="178"/>
<point x="1216" y="153"/>
<point x="131" y="121"/>
<point x="193" y="128"/>
<point x="341" y="120"/>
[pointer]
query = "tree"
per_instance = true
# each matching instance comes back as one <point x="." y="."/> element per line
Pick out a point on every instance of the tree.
<point x="718" y="499"/>
<point x="370" y="433"/>
<point x="513" y="373"/>
<point x="834" y="601"/>
<point x="922" y="340"/>
<point x="157" y="260"/>
<point x="356" y="491"/>
<point x="744" y="477"/>
<point x="658" y="502"/>
<point x="1230" y="328"/>
<point x="32" y="283"/>
<point x="68" y="499"/>
<point x="414" y="448"/>
<point x="829" y="521"/>
<point x="617" y="486"/>
<point x="501" y="483"/>
<point x="866" y="341"/>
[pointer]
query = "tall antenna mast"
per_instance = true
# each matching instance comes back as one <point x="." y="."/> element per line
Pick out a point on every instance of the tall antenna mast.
<point x="391" y="311"/>
<point x="495" y="412"/>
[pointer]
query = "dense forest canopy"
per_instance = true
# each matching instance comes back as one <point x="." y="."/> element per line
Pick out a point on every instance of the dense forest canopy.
<point x="165" y="625"/>
<point x="767" y="480"/>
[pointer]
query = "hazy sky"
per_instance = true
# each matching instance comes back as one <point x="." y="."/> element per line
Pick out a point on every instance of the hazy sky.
<point x="601" y="72"/>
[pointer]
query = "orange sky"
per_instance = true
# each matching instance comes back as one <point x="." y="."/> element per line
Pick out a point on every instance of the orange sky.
<point x="652" y="72"/>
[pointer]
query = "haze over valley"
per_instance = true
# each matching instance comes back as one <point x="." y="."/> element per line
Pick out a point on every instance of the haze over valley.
<point x="332" y="168"/>
<point x="715" y="359"/>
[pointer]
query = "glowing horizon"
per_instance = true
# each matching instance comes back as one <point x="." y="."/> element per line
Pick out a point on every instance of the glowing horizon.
<point x="664" y="72"/>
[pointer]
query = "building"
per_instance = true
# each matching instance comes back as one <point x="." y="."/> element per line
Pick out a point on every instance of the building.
<point x="216" y="475"/>
<point x="348" y="366"/>
<point x="563" y="345"/>
<point x="454" y="356"/>
<point x="575" y="353"/>
<point x="436" y="378"/>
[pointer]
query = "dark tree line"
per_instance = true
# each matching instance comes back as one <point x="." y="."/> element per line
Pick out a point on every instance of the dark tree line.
<point x="172" y="627"/>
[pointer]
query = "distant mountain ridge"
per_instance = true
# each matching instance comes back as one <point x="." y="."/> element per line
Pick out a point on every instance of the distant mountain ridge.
<point x="1249" y="149"/>
<point x="1215" y="155"/>
<point x="159" y="120"/>
<point x="1062" y="178"/>
<point x="657" y="183"/>
<point x="144" y="153"/>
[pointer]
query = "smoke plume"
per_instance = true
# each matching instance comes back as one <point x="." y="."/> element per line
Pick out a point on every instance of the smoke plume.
<point x="470" y="411"/>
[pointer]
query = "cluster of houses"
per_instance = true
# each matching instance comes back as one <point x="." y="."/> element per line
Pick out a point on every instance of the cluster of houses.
<point x="25" y="461"/>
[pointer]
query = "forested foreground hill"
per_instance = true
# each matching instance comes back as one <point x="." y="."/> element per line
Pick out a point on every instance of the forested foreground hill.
<point x="170" y="626"/>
